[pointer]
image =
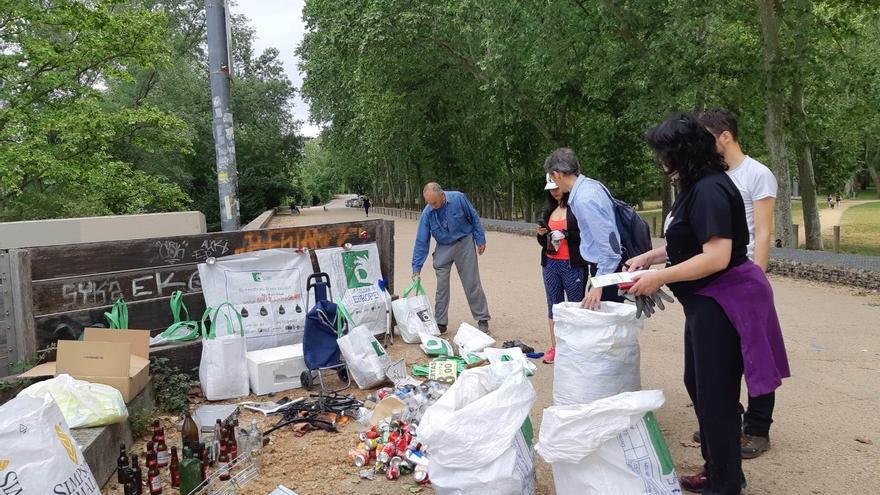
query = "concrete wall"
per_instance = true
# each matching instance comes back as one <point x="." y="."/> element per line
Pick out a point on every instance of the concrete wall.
<point x="97" y="229"/>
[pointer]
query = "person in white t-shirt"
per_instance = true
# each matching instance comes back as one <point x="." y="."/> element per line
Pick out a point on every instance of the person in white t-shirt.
<point x="757" y="185"/>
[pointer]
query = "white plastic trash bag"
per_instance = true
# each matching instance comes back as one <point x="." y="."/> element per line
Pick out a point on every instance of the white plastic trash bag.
<point x="414" y="315"/>
<point x="479" y="434"/>
<point x="496" y="355"/>
<point x="223" y="370"/>
<point x="597" y="352"/>
<point x="38" y="455"/>
<point x="470" y="339"/>
<point x="611" y="445"/>
<point x="364" y="356"/>
<point x="83" y="404"/>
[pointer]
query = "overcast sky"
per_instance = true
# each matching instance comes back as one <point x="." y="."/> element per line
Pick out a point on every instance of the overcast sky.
<point x="279" y="24"/>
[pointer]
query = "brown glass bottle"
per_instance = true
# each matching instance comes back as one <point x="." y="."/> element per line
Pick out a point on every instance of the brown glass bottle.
<point x="121" y="465"/>
<point x="138" y="475"/>
<point x="174" y="467"/>
<point x="190" y="433"/>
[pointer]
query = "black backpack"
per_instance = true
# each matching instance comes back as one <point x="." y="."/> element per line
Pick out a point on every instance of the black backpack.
<point x="635" y="235"/>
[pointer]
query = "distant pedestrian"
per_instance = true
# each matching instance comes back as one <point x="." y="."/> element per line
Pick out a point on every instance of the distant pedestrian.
<point x="838" y="198"/>
<point x="830" y="202"/>
<point x="453" y="221"/>
<point x="367" y="205"/>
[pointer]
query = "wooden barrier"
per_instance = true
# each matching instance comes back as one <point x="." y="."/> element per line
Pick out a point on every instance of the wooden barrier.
<point x="59" y="290"/>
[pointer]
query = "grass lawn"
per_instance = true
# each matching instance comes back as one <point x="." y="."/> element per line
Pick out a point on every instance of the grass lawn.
<point x="859" y="230"/>
<point x="650" y="217"/>
<point x="867" y="194"/>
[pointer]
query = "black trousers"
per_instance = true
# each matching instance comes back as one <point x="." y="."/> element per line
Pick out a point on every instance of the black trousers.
<point x="713" y="370"/>
<point x="759" y="415"/>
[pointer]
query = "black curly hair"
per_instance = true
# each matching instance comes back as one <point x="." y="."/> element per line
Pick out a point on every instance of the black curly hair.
<point x="682" y="144"/>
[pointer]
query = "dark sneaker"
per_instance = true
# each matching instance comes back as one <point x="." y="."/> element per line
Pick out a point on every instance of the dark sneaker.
<point x="699" y="483"/>
<point x="442" y="328"/>
<point x="753" y="446"/>
<point x="483" y="325"/>
<point x="697" y="438"/>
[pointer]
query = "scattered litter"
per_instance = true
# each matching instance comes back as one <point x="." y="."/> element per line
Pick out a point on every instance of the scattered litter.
<point x="690" y="445"/>
<point x="816" y="347"/>
<point x="208" y="414"/>
<point x="367" y="474"/>
<point x="268" y="408"/>
<point x="534" y="355"/>
<point x="282" y="490"/>
<point x="864" y="440"/>
<point x="518" y="343"/>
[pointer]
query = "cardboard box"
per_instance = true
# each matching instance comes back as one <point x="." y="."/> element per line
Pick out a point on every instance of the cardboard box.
<point x="119" y="358"/>
<point x="276" y="369"/>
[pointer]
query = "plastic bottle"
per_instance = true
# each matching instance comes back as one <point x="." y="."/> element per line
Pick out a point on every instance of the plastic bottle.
<point x="256" y="437"/>
<point x="190" y="472"/>
<point x="218" y="439"/>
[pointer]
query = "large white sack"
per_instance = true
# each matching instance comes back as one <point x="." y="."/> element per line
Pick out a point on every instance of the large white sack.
<point x="37" y="454"/>
<point x="365" y="357"/>
<point x="611" y="445"/>
<point x="223" y="369"/>
<point x="414" y="314"/>
<point x="475" y="434"/>
<point x="83" y="404"/>
<point x="597" y="352"/>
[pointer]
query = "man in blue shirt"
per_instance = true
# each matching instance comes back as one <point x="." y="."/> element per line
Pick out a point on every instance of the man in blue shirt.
<point x="591" y="205"/>
<point x="454" y="223"/>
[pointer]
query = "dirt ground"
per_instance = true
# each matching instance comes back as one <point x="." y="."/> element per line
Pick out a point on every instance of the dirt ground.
<point x="832" y="335"/>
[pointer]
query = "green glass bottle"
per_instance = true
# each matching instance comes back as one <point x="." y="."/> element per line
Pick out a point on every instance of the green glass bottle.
<point x="190" y="472"/>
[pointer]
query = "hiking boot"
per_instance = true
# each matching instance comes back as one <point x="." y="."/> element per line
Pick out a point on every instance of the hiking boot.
<point x="699" y="483"/>
<point x="697" y="438"/>
<point x="442" y="328"/>
<point x="483" y="325"/>
<point x="550" y="356"/>
<point x="753" y="446"/>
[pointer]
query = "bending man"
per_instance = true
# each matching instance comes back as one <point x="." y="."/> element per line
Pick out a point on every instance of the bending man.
<point x="454" y="223"/>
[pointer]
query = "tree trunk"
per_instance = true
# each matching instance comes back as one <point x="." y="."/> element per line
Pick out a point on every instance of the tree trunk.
<point x="806" y="176"/>
<point x="875" y="176"/>
<point x="773" y="128"/>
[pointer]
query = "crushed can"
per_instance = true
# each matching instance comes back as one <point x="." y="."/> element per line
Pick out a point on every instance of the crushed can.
<point x="420" y="475"/>
<point x="359" y="458"/>
<point x="393" y="471"/>
<point x="388" y="451"/>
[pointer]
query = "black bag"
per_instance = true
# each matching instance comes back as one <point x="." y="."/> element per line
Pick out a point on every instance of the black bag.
<point x="635" y="235"/>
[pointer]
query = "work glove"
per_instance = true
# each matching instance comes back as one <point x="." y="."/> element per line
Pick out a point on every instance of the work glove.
<point x="646" y="304"/>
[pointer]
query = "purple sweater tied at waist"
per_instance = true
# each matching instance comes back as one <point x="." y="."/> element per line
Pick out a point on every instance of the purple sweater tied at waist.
<point x="747" y="298"/>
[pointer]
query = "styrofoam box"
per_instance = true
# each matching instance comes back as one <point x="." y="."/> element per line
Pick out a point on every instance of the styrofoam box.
<point x="275" y="369"/>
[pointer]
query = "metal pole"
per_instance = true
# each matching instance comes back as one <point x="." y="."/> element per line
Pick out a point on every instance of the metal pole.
<point x="224" y="138"/>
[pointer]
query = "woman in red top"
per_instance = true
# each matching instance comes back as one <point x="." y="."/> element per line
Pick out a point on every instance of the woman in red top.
<point x="564" y="269"/>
